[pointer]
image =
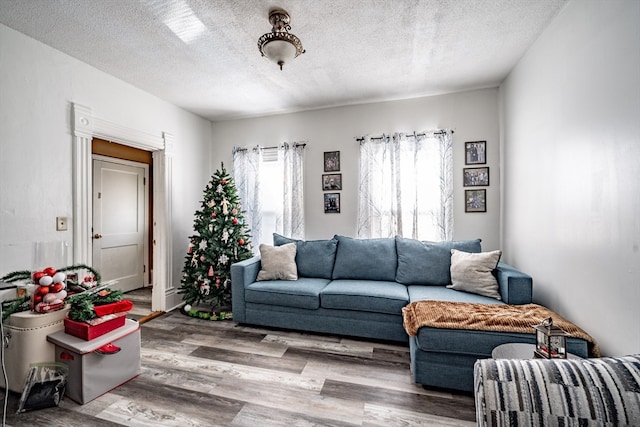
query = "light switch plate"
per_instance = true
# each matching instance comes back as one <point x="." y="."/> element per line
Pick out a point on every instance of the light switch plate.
<point x="61" y="223"/>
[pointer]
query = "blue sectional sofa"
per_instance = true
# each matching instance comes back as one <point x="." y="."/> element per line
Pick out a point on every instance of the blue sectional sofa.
<point x="358" y="287"/>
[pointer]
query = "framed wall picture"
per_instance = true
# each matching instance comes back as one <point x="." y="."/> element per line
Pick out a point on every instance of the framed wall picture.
<point x="475" y="153"/>
<point x="475" y="200"/>
<point x="331" y="161"/>
<point x="331" y="202"/>
<point x="332" y="181"/>
<point x="476" y="177"/>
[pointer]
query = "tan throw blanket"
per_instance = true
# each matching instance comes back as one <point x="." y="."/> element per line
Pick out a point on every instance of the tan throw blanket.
<point x="487" y="317"/>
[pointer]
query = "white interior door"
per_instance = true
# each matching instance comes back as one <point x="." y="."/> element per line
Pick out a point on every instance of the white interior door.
<point x="119" y="222"/>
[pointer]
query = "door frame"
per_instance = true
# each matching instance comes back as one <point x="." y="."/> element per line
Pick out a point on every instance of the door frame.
<point x="85" y="127"/>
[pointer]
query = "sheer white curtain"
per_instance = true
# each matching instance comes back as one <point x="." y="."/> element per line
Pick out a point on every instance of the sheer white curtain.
<point x="292" y="219"/>
<point x="406" y="186"/>
<point x="246" y="171"/>
<point x="271" y="186"/>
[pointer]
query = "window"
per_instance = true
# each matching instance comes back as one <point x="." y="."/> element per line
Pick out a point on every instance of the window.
<point x="406" y="186"/>
<point x="271" y="194"/>
<point x="270" y="184"/>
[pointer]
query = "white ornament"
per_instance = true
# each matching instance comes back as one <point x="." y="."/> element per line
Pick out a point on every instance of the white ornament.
<point x="210" y="227"/>
<point x="49" y="298"/>
<point x="194" y="260"/>
<point x="219" y="189"/>
<point x="225" y="235"/>
<point x="202" y="245"/>
<point x="45" y="281"/>
<point x="223" y="259"/>
<point x="59" y="277"/>
<point x="187" y="307"/>
<point x="211" y="203"/>
<point x="204" y="289"/>
<point x="225" y="206"/>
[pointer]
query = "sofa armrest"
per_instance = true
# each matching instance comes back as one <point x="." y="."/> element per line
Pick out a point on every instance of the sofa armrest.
<point x="515" y="286"/>
<point x="243" y="274"/>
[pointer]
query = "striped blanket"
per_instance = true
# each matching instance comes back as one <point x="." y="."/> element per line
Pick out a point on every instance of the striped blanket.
<point x="570" y="392"/>
<point x="487" y="317"/>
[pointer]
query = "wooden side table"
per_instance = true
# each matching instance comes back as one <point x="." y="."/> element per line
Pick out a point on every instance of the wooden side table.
<point x="519" y="351"/>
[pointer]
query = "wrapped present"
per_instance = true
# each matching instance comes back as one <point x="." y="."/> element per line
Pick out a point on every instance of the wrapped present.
<point x="94" y="328"/>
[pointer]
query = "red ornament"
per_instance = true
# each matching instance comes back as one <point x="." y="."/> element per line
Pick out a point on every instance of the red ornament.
<point x="213" y="214"/>
<point x="190" y="249"/>
<point x="241" y="242"/>
<point x="49" y="271"/>
<point x="43" y="290"/>
<point x="234" y="221"/>
<point x="210" y="271"/>
<point x="37" y="276"/>
<point x="223" y="182"/>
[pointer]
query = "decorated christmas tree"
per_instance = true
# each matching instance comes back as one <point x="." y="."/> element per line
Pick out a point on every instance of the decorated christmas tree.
<point x="221" y="238"/>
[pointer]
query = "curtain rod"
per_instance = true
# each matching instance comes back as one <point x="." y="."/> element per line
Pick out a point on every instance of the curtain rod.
<point x="295" y="144"/>
<point x="440" y="132"/>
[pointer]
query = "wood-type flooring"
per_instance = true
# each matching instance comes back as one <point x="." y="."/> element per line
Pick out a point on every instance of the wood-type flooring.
<point x="207" y="373"/>
<point x="141" y="299"/>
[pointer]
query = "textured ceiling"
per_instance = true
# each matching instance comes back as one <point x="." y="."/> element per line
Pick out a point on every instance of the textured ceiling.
<point x="202" y="54"/>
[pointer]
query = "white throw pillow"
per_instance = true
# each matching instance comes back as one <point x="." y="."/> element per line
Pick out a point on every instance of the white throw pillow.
<point x="472" y="272"/>
<point x="278" y="263"/>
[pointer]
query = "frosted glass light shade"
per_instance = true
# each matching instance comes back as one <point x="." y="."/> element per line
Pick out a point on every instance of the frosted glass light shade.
<point x="280" y="51"/>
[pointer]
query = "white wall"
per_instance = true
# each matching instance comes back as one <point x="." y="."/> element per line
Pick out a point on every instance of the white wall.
<point x="473" y="116"/>
<point x="37" y="86"/>
<point x="571" y="129"/>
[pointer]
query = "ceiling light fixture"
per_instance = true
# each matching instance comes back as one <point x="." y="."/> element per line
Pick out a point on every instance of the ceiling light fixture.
<point x="280" y="46"/>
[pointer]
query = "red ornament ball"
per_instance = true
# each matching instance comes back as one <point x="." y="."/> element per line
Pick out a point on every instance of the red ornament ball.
<point x="213" y="214"/>
<point x="234" y="221"/>
<point x="241" y="242"/>
<point x="49" y="271"/>
<point x="223" y="182"/>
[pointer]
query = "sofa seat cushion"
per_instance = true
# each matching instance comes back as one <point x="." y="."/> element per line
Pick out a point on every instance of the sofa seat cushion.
<point x="301" y="293"/>
<point x="365" y="295"/>
<point x="441" y="293"/>
<point x="366" y="259"/>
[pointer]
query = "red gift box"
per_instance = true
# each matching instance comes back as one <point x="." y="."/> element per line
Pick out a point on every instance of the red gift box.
<point x="114" y="307"/>
<point x="97" y="327"/>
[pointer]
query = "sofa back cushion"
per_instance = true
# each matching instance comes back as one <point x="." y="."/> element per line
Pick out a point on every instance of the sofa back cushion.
<point x="366" y="259"/>
<point x="428" y="263"/>
<point x="314" y="258"/>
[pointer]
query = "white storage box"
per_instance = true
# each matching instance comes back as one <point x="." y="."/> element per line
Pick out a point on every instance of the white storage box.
<point x="26" y="343"/>
<point x="93" y="370"/>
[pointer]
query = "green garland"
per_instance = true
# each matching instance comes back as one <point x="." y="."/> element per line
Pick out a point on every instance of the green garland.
<point x="16" y="305"/>
<point x="82" y="304"/>
<point x="26" y="274"/>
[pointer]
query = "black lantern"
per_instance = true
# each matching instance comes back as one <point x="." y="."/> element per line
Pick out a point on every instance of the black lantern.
<point x="551" y="341"/>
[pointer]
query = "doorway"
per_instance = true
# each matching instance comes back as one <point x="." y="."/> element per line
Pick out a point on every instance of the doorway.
<point x="122" y="192"/>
